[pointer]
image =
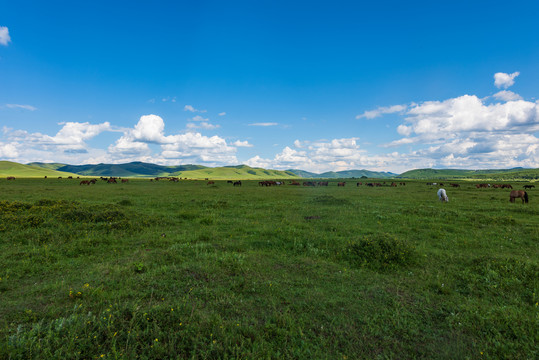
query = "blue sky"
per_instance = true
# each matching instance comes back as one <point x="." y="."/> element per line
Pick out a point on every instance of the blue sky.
<point x="315" y="85"/>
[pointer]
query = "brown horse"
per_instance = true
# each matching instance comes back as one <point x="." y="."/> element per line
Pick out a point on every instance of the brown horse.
<point x="518" y="194"/>
<point x="341" y="184"/>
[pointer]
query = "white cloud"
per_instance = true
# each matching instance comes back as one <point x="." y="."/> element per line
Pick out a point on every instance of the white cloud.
<point x="202" y="125"/>
<point x="371" y="114"/>
<point x="192" y="109"/>
<point x="71" y="135"/>
<point x="8" y="151"/>
<point x="4" y="36"/>
<point x="239" y="143"/>
<point x="505" y="80"/>
<point x="404" y="130"/>
<point x="189" y="147"/>
<point x="467" y="113"/>
<point x="507" y="95"/>
<point x="68" y="145"/>
<point x="326" y="155"/>
<point x="150" y="129"/>
<point x="18" y="106"/>
<point x="264" y="124"/>
<point x="199" y="118"/>
<point x="222" y="113"/>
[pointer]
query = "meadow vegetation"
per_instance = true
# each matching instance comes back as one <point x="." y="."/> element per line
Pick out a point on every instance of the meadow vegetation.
<point x="187" y="270"/>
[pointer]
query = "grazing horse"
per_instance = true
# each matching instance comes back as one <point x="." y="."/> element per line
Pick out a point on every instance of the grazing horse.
<point x="111" y="181"/>
<point x="529" y="186"/>
<point x="210" y="183"/>
<point x="125" y="180"/>
<point x="518" y="194"/>
<point x="442" y="195"/>
<point x="237" y="183"/>
<point x="85" y="182"/>
<point x="341" y="183"/>
<point x="10" y="178"/>
<point x="294" y="183"/>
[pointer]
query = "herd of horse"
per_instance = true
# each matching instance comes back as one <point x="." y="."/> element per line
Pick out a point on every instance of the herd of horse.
<point x="442" y="193"/>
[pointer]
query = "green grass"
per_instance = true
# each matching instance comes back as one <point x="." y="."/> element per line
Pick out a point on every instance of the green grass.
<point x="8" y="168"/>
<point x="190" y="271"/>
<point x="242" y="172"/>
<point x="517" y="174"/>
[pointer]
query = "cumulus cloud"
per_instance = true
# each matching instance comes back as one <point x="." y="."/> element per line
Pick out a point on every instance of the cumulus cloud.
<point x="202" y="125"/>
<point x="187" y="147"/>
<point x="4" y="36"/>
<point x="371" y="114"/>
<point x="468" y="131"/>
<point x="239" y="143"/>
<point x="192" y="109"/>
<point x="8" y="151"/>
<point x="264" y="124"/>
<point x="222" y="113"/>
<point x="503" y="80"/>
<point x="468" y="113"/>
<point x="19" y="106"/>
<point x="71" y="134"/>
<point x="326" y="155"/>
<point x="199" y="118"/>
<point x="67" y="145"/>
<point x="506" y="95"/>
<point x="150" y="128"/>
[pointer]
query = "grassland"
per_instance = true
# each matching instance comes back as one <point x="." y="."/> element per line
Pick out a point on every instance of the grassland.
<point x="157" y="270"/>
<point x="8" y="168"/>
<point x="139" y="169"/>
<point x="493" y="174"/>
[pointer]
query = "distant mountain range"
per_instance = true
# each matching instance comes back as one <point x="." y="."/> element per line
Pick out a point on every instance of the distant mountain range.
<point x="493" y="174"/>
<point x="346" y="174"/>
<point x="140" y="169"/>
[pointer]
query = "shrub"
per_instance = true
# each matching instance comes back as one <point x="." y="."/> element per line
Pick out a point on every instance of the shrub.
<point x="380" y="252"/>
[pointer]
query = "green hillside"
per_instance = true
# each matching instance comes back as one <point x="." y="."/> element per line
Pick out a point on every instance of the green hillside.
<point x="8" y="168"/>
<point x="234" y="172"/>
<point x="50" y="166"/>
<point x="131" y="169"/>
<point x="494" y="174"/>
<point x="343" y="174"/>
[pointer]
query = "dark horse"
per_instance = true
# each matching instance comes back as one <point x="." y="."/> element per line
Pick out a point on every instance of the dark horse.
<point x="237" y="183"/>
<point x="529" y="186"/>
<point x="518" y="194"/>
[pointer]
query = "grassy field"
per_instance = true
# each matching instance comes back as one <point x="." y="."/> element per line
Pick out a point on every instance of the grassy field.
<point x="163" y="270"/>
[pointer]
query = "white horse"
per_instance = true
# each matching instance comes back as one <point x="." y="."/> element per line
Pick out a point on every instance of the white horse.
<point x="442" y="195"/>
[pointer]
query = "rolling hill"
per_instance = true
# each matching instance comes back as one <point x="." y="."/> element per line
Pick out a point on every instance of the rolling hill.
<point x="494" y="174"/>
<point x="346" y="174"/>
<point x="132" y="169"/>
<point x="8" y="168"/>
<point x="141" y="169"/>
